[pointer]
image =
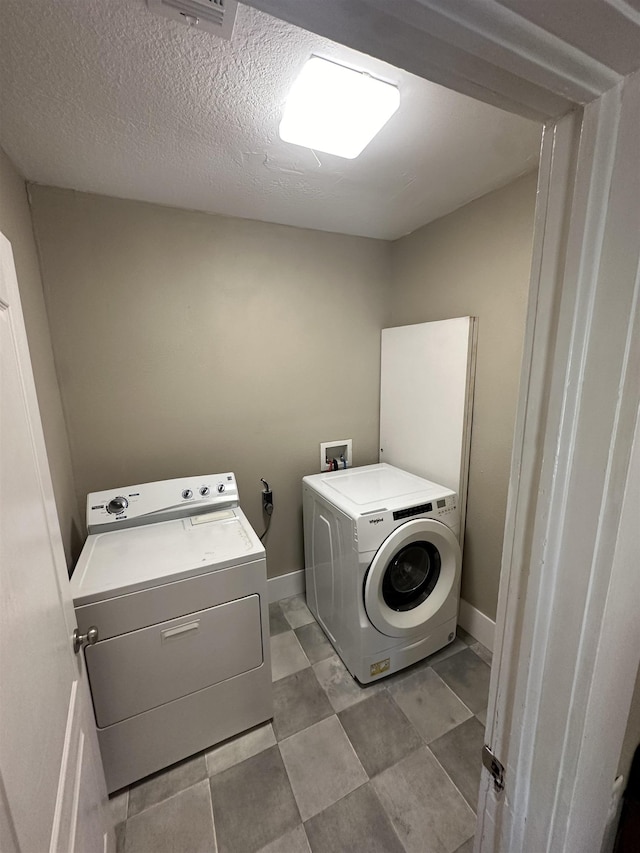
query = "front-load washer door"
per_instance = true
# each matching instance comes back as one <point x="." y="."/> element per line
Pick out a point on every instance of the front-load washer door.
<point x="412" y="577"/>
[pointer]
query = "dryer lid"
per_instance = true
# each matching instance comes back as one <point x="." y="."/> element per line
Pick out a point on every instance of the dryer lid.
<point x="123" y="561"/>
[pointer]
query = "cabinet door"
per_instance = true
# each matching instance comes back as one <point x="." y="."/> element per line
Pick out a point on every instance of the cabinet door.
<point x="426" y="396"/>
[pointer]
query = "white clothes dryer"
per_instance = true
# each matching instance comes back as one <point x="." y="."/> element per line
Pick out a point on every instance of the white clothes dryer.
<point x="171" y="593"/>
<point x="382" y="565"/>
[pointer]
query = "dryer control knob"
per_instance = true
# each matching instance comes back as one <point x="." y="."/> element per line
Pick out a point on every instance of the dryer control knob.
<point x="221" y="487"/>
<point x="186" y="494"/>
<point x="205" y="491"/>
<point x="117" y="505"/>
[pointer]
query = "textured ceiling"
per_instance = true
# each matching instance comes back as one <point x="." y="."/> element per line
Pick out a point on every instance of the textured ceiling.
<point x="105" y="97"/>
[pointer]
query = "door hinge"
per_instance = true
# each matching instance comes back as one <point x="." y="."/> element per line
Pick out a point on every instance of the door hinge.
<point x="494" y="767"/>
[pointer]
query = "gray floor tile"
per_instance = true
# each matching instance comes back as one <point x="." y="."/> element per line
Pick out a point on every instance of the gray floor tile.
<point x="467" y="847"/>
<point x="298" y="702"/>
<point x="296" y="611"/>
<point x="181" y="824"/>
<point x="465" y="636"/>
<point x="357" y="824"/>
<point x="482" y="652"/>
<point x="452" y="649"/>
<point x="166" y="783"/>
<point x="430" y="705"/>
<point x="277" y="623"/>
<point x="118" y="803"/>
<point x="286" y="655"/>
<point x="448" y="651"/>
<point x="482" y="716"/>
<point x="240" y="748"/>
<point x="322" y="766"/>
<point x="121" y="830"/>
<point x="468" y="677"/>
<point x="313" y="641"/>
<point x="460" y="753"/>
<point x="294" y="841"/>
<point x="380" y="733"/>
<point x="428" y="812"/>
<point x="253" y="804"/>
<point x="341" y="688"/>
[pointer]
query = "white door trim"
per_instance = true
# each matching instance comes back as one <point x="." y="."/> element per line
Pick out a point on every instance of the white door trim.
<point x="562" y="592"/>
<point x="477" y="47"/>
<point x="555" y="186"/>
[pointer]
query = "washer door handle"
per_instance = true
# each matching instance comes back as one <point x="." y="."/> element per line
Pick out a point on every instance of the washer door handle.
<point x="88" y="639"/>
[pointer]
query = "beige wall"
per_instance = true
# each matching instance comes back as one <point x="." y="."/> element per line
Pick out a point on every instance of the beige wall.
<point x="15" y="224"/>
<point x="188" y="343"/>
<point x="476" y="262"/>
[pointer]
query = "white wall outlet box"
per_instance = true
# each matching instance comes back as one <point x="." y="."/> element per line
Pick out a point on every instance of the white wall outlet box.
<point x="340" y="451"/>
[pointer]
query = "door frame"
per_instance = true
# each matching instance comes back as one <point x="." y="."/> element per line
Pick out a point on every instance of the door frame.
<point x="572" y="489"/>
<point x="568" y="582"/>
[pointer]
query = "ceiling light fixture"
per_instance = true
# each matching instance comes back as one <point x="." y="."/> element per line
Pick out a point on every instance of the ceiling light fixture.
<point x="335" y="109"/>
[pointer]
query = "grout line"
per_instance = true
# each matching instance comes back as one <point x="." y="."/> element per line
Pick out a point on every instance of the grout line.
<point x="490" y="653"/>
<point x="384" y="810"/>
<point x="426" y="743"/>
<point x="405" y="716"/>
<point x="123" y="847"/>
<point x="306" y="837"/>
<point x="303" y="649"/>
<point x="444" y="770"/>
<point x="413" y="724"/>
<point x="353" y="749"/>
<point x="306" y="728"/>
<point x="213" y="820"/>
<point x="331" y="805"/>
<point x="451" y="690"/>
<point x="170" y="797"/>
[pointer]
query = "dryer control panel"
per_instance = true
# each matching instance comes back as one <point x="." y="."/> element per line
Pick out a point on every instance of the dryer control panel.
<point x="130" y="506"/>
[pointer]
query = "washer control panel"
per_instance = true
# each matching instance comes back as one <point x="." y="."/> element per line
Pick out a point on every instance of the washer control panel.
<point x="161" y="501"/>
<point x="444" y="507"/>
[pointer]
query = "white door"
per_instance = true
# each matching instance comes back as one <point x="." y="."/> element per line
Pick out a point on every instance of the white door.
<point x="52" y="790"/>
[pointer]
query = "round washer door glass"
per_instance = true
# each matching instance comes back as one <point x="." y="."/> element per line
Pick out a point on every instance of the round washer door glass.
<point x="411" y="575"/>
<point x="414" y="576"/>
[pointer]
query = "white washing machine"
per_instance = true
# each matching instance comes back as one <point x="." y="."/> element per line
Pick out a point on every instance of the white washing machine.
<point x="382" y="565"/>
<point x="173" y="578"/>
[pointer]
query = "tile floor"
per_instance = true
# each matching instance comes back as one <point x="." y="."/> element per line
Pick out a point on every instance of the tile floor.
<point x="389" y="768"/>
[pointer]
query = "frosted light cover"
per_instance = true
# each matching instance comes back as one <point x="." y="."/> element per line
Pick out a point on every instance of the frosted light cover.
<point x="335" y="109"/>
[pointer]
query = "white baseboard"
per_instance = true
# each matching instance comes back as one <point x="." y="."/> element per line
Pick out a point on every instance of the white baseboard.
<point x="284" y="586"/>
<point x="477" y="624"/>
